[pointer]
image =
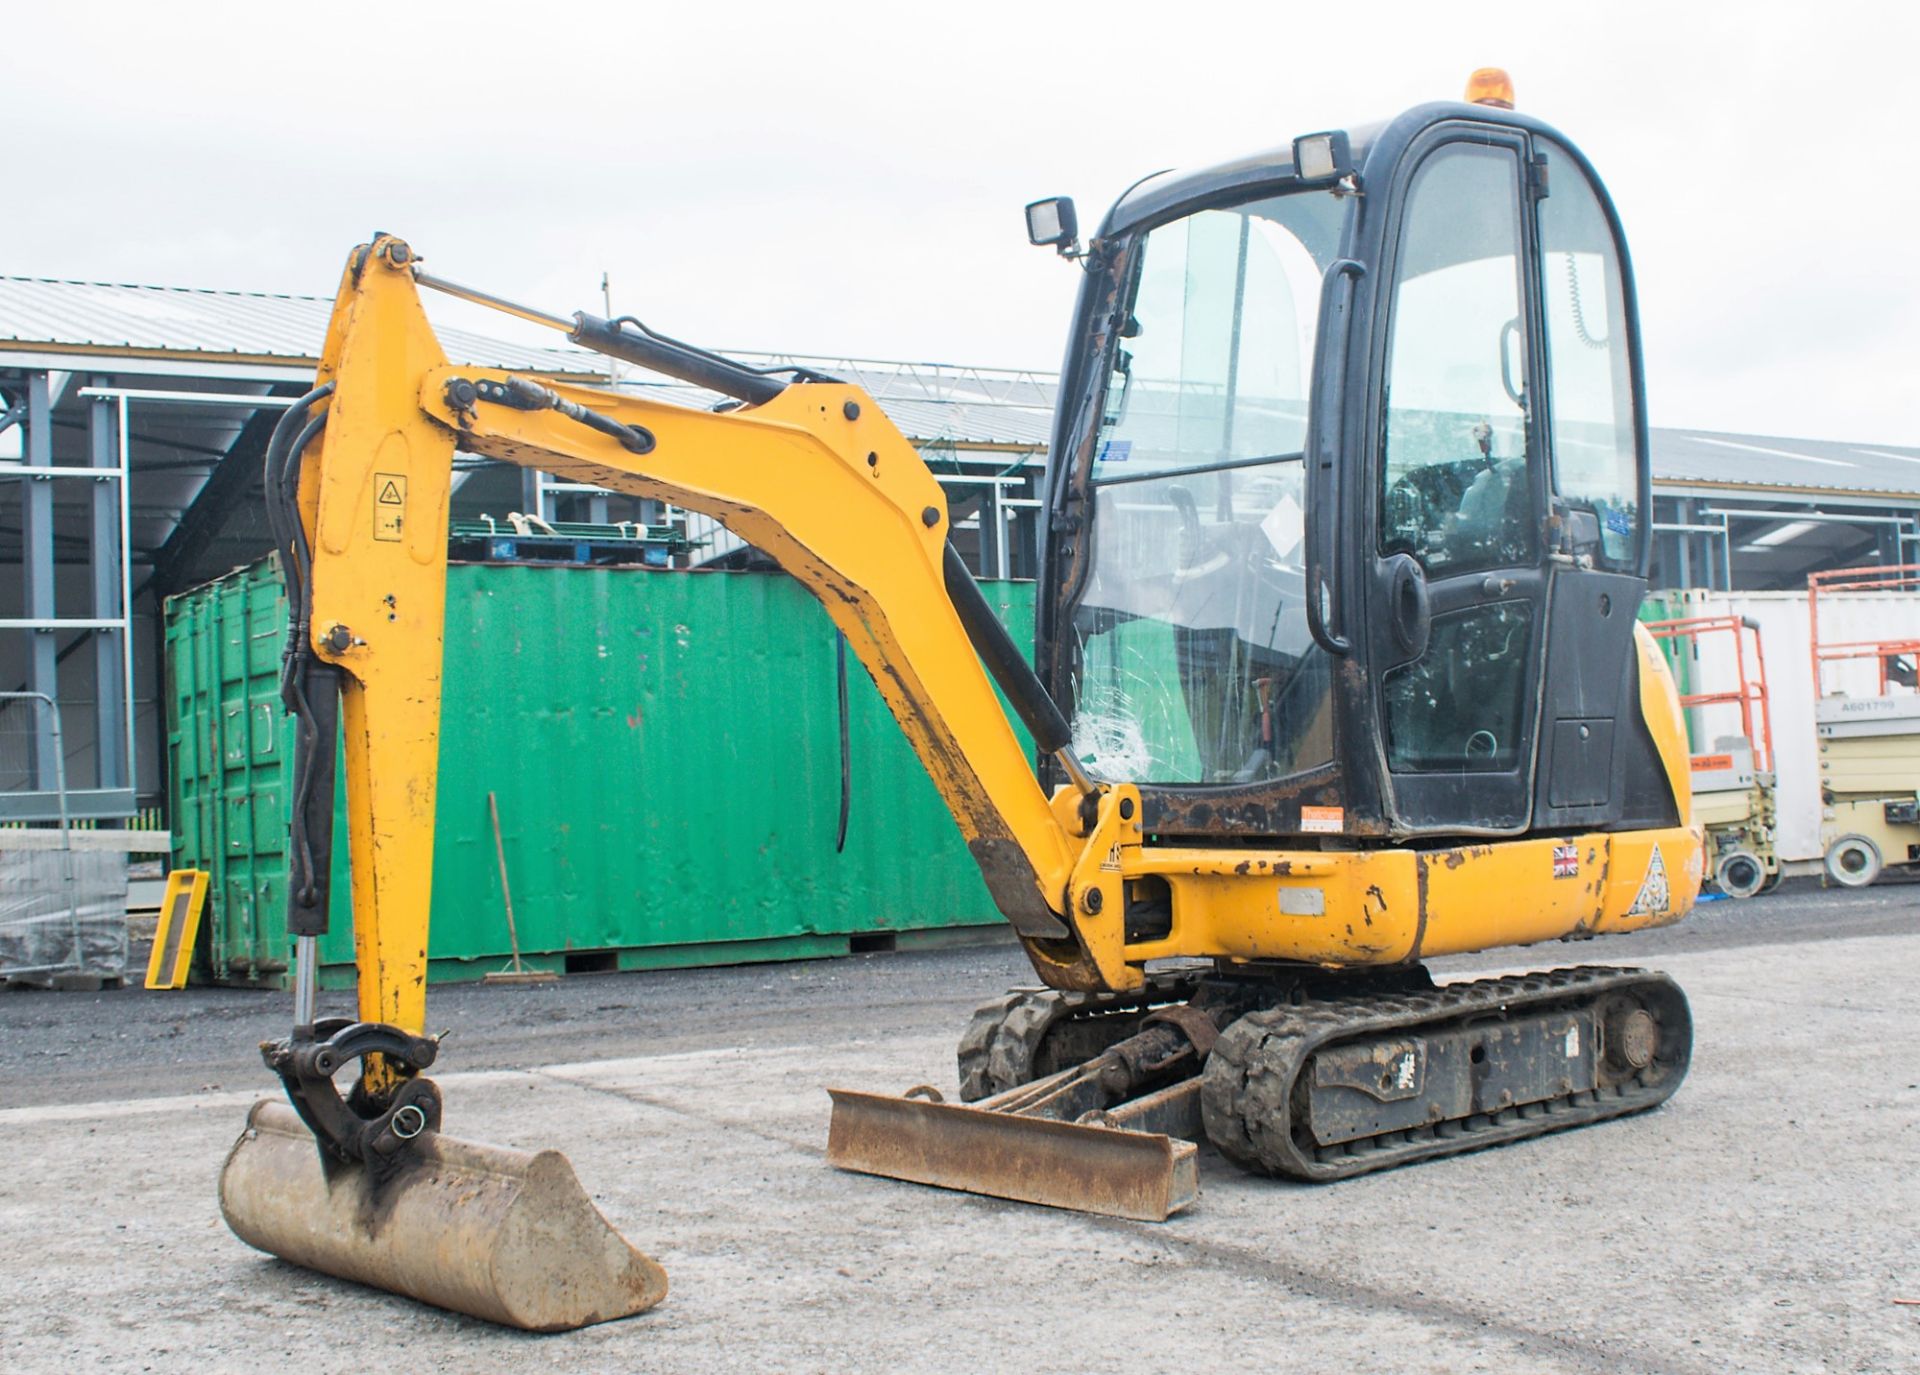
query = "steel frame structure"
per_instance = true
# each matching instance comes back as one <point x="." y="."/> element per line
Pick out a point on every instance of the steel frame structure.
<point x="108" y="624"/>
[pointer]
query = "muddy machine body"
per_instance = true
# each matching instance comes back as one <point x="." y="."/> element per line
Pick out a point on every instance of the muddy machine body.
<point x="1336" y="671"/>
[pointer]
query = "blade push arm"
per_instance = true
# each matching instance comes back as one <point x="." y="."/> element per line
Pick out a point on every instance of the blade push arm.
<point x="816" y="476"/>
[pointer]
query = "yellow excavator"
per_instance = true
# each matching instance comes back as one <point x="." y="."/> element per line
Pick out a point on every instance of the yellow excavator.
<point x="1336" y="672"/>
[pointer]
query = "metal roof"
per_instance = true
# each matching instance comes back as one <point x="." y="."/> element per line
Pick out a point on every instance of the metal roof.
<point x="933" y="404"/>
<point x="164" y="321"/>
<point x="1718" y="459"/>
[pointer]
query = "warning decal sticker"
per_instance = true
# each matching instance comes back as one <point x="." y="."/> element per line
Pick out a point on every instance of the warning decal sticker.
<point x="1322" y="820"/>
<point x="389" y="505"/>
<point x="1655" y="895"/>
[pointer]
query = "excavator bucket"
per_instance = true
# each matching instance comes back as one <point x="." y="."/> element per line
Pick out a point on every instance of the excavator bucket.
<point x="1128" y="1162"/>
<point x="500" y="1234"/>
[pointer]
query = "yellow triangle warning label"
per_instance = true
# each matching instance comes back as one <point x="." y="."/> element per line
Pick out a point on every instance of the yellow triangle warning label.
<point x="389" y="505"/>
<point x="1655" y="895"/>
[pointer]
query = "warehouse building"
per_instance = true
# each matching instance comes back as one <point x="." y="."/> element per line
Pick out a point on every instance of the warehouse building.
<point x="133" y="419"/>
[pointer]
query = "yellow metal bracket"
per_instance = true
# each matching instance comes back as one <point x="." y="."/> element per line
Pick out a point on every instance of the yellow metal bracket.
<point x="822" y="481"/>
<point x="1097" y="892"/>
<point x="180" y="909"/>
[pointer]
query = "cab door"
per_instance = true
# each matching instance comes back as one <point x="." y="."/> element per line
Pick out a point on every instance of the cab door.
<point x="1597" y="766"/>
<point x="1458" y="565"/>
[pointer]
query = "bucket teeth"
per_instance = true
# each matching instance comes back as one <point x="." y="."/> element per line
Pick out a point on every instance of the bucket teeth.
<point x="496" y="1233"/>
<point x="1146" y="1176"/>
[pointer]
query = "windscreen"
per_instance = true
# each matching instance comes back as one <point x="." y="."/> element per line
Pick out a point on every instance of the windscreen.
<point x="1194" y="663"/>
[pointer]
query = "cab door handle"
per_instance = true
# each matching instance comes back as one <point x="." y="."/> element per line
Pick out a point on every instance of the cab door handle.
<point x="1409" y="608"/>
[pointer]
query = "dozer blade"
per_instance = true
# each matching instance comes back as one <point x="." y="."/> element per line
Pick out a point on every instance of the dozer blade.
<point x="1092" y="1169"/>
<point x="501" y="1234"/>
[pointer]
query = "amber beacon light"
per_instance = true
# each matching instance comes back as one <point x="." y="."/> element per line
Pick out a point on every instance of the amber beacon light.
<point x="1490" y="86"/>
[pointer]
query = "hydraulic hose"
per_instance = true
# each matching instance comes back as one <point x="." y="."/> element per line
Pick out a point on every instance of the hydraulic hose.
<point x="308" y="688"/>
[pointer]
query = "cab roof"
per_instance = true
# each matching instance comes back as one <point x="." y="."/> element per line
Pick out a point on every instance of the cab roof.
<point x="1155" y="197"/>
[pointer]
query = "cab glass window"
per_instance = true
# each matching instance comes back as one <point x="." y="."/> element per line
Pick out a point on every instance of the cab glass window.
<point x="1461" y="708"/>
<point x="1454" y="487"/>
<point x="1217" y="353"/>
<point x="1595" y="456"/>
<point x="1192" y="660"/>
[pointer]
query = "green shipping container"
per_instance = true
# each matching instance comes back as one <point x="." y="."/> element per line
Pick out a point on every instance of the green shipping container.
<point x="664" y="747"/>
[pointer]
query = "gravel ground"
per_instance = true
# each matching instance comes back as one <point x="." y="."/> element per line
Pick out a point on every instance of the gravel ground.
<point x="129" y="1043"/>
<point x="1762" y="1220"/>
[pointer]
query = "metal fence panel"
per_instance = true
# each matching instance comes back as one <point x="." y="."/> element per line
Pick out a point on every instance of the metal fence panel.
<point x="63" y="914"/>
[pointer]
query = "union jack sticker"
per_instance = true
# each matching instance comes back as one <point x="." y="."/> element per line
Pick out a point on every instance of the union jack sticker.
<point x="1566" y="861"/>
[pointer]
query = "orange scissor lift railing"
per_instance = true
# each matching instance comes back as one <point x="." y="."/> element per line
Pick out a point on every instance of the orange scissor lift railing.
<point x="1869" y="746"/>
<point x="1898" y="577"/>
<point x="1739" y="813"/>
<point x="1750" y="690"/>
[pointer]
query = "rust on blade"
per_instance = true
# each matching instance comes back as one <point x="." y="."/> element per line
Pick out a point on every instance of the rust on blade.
<point x="1091" y="1169"/>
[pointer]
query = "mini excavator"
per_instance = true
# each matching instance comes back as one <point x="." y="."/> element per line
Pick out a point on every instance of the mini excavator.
<point x="1336" y="672"/>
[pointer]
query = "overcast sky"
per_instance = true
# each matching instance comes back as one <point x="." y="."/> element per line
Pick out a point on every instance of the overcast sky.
<point x="847" y="179"/>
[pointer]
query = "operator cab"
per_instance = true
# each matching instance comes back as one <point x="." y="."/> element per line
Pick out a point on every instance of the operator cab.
<point x="1348" y="487"/>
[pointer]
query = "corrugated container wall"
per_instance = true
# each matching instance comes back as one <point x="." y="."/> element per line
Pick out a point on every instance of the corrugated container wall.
<point x="664" y="749"/>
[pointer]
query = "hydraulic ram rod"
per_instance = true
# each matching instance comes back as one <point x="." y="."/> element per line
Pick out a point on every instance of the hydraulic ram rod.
<point x="619" y="339"/>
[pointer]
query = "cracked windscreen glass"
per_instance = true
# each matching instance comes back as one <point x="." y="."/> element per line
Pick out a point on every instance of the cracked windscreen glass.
<point x="1194" y="663"/>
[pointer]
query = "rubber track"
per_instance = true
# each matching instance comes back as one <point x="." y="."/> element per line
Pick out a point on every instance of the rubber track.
<point x="1001" y="1043"/>
<point x="1252" y="1080"/>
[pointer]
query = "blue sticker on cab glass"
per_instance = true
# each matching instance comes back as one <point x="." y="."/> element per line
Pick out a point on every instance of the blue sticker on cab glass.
<point x="1115" y="451"/>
